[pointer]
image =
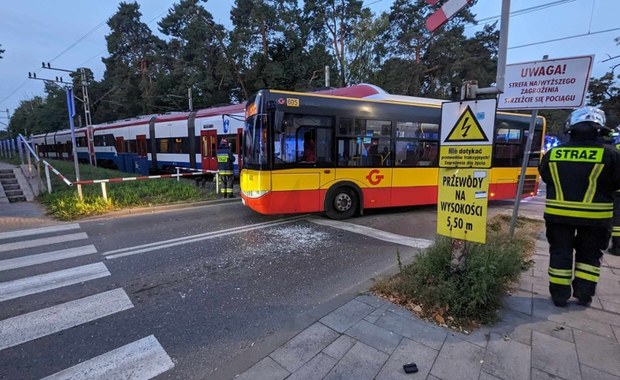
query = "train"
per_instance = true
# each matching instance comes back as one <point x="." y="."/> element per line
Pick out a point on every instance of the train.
<point x="155" y="144"/>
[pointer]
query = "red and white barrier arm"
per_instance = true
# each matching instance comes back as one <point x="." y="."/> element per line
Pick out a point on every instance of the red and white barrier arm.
<point x="57" y="173"/>
<point x="140" y="178"/>
<point x="441" y="15"/>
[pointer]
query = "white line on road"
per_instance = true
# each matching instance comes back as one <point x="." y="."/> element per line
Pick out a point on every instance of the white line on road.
<point x="24" y="328"/>
<point x="374" y="233"/>
<point x="142" y="359"/>
<point x="53" y="280"/>
<point x="37" y="231"/>
<point x="194" y="238"/>
<point x="26" y="261"/>
<point x="42" y="241"/>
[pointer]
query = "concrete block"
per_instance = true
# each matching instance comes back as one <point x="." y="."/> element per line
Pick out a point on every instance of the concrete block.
<point x="408" y="351"/>
<point x="378" y="313"/>
<point x="612" y="307"/>
<point x="458" y="359"/>
<point x="347" y="315"/>
<point x="315" y="369"/>
<point x="592" y="373"/>
<point x="553" y="329"/>
<point x="375" y="336"/>
<point x="520" y="301"/>
<point x="598" y="352"/>
<point x="542" y="375"/>
<point x="303" y="347"/>
<point x="486" y="376"/>
<point x="413" y="329"/>
<point x="507" y="359"/>
<point x="371" y="300"/>
<point x="586" y="319"/>
<point x="339" y="347"/>
<point x="616" y="330"/>
<point x="361" y="362"/>
<point x="555" y="356"/>
<point x="265" y="369"/>
<point x="514" y="325"/>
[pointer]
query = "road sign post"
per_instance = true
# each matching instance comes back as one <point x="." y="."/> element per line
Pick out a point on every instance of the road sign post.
<point x="464" y="159"/>
<point x="71" y="110"/>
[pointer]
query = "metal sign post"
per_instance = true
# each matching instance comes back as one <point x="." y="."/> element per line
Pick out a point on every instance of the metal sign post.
<point x="71" y="110"/>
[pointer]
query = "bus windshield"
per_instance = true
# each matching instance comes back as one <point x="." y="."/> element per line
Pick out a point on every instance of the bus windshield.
<point x="254" y="136"/>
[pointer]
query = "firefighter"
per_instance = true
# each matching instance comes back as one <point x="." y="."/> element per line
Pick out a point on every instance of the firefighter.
<point x="581" y="177"/>
<point x="615" y="230"/>
<point x="225" y="168"/>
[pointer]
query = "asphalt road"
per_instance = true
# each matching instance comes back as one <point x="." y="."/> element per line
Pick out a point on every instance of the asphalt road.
<point x="217" y="287"/>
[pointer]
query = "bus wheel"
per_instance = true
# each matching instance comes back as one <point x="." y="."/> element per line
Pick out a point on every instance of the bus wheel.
<point x="342" y="203"/>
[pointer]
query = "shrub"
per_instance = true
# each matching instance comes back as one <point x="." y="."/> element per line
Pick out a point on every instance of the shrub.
<point x="474" y="295"/>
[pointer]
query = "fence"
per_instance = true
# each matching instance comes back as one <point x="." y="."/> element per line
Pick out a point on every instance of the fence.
<point x="20" y="144"/>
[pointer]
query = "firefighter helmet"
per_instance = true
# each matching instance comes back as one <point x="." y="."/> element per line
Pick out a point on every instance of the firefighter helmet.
<point x="591" y="115"/>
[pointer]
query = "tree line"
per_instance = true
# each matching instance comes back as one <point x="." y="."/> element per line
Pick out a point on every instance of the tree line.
<point x="284" y="45"/>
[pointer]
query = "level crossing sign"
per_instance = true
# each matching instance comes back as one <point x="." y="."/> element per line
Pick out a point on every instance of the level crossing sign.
<point x="467" y="133"/>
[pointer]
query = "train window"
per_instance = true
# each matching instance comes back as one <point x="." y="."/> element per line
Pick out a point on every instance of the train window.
<point x="178" y="145"/>
<point x="104" y="140"/>
<point x="120" y="145"/>
<point x="81" y="141"/>
<point x="131" y="146"/>
<point x="162" y="146"/>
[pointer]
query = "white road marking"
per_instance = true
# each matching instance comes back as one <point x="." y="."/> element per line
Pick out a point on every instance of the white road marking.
<point x="47" y="257"/>
<point x="37" y="231"/>
<point x="142" y="359"/>
<point x="53" y="280"/>
<point x="374" y="233"/>
<point x="194" y="238"/>
<point x="43" y="241"/>
<point x="26" y="327"/>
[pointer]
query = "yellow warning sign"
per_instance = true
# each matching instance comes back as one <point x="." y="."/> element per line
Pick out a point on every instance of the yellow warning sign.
<point x="467" y="128"/>
<point x="462" y="204"/>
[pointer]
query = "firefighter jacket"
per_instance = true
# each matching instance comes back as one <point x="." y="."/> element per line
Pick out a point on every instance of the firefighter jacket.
<point x="581" y="178"/>
<point x="225" y="160"/>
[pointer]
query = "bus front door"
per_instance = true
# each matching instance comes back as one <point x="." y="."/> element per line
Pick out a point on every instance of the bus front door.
<point x="208" y="149"/>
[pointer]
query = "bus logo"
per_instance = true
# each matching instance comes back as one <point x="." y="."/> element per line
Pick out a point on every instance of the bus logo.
<point x="374" y="177"/>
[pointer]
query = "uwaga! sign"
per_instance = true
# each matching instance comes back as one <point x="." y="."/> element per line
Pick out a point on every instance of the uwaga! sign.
<point x="557" y="83"/>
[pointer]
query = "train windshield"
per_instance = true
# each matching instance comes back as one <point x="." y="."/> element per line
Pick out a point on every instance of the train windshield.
<point x="255" y="136"/>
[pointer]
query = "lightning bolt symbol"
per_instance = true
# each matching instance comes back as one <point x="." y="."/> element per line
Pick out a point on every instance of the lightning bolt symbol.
<point x="465" y="127"/>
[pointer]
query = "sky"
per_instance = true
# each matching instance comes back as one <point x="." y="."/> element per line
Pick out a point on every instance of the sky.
<point x="71" y="34"/>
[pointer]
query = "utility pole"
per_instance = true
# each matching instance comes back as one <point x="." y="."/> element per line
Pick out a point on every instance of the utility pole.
<point x="189" y="97"/>
<point x="85" y="101"/>
<point x="89" y="124"/>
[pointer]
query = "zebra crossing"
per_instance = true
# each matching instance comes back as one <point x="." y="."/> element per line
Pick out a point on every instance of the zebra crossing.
<point x="21" y="250"/>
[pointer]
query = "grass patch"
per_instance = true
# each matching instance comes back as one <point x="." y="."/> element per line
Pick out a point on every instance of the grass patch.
<point x="474" y="296"/>
<point x="64" y="204"/>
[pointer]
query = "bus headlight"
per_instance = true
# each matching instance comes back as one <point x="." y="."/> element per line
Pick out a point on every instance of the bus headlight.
<point x="255" y="193"/>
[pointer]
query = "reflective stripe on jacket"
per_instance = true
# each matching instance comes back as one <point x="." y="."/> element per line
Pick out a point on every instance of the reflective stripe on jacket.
<point x="581" y="177"/>
<point x="225" y="160"/>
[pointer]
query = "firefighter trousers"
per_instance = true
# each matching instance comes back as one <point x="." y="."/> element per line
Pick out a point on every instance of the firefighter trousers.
<point x="588" y="243"/>
<point x="226" y="186"/>
<point x="615" y="231"/>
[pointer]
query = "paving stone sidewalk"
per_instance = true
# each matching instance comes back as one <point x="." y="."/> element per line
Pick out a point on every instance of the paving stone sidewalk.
<point x="368" y="338"/>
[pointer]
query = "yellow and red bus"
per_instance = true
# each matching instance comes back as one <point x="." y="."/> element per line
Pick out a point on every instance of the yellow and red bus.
<point x="368" y="153"/>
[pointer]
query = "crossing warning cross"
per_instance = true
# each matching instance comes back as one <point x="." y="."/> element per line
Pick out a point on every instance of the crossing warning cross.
<point x="444" y="13"/>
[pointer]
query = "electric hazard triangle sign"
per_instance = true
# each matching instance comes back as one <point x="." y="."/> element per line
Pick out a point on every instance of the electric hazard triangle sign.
<point x="467" y="128"/>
